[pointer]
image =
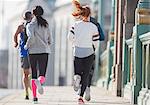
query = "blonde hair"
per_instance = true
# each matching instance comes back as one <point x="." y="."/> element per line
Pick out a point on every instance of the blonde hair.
<point x="81" y="10"/>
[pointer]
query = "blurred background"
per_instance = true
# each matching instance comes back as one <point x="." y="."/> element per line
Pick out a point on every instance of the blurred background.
<point x="58" y="14"/>
<point x="122" y="60"/>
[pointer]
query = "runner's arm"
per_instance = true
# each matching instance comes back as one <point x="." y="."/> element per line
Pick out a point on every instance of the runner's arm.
<point x="16" y="36"/>
<point x="30" y="34"/>
<point x="71" y="34"/>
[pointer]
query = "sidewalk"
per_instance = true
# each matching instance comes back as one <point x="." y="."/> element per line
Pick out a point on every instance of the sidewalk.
<point x="65" y="96"/>
<point x="5" y="92"/>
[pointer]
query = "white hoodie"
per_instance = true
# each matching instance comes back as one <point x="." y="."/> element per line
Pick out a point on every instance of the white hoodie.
<point x="82" y="35"/>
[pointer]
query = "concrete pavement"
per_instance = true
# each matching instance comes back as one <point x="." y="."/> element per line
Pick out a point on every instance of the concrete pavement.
<point x="5" y="92"/>
<point x="64" y="96"/>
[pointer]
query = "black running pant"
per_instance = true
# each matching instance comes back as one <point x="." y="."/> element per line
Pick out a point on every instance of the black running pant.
<point x="91" y="73"/>
<point x="82" y="67"/>
<point x="38" y="61"/>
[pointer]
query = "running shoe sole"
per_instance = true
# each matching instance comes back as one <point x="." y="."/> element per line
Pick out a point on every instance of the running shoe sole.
<point x="39" y="86"/>
<point x="76" y="84"/>
<point x="87" y="94"/>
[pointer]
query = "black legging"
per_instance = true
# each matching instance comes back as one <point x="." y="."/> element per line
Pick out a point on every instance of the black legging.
<point x="39" y="60"/>
<point x="82" y="67"/>
<point x="91" y="73"/>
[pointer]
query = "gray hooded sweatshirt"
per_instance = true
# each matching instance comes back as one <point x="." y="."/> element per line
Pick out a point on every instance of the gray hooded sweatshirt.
<point x="39" y="38"/>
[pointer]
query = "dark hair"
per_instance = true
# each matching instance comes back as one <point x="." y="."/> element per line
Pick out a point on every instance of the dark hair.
<point x="38" y="12"/>
<point x="27" y="15"/>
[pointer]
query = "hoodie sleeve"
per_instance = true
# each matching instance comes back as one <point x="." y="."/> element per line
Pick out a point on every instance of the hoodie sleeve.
<point x="30" y="34"/>
<point x="95" y="36"/>
<point x="71" y="34"/>
<point x="50" y="38"/>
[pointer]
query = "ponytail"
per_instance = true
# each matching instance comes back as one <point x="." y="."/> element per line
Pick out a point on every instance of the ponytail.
<point x="41" y="21"/>
<point x="78" y="8"/>
<point x="81" y="10"/>
<point x="38" y="12"/>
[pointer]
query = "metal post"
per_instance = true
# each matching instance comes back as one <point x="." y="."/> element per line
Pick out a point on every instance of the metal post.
<point x="110" y="43"/>
<point x="101" y="21"/>
<point x="112" y="19"/>
<point x="115" y="40"/>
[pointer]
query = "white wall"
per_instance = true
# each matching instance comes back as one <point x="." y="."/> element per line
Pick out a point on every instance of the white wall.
<point x="13" y="18"/>
<point x="63" y="48"/>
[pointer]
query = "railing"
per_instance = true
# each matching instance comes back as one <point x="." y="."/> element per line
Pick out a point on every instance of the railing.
<point x="128" y="64"/>
<point x="127" y="67"/>
<point x="145" y="39"/>
<point x="145" y="91"/>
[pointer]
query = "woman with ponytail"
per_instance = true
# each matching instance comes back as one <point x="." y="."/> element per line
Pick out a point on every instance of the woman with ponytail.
<point x="79" y="9"/>
<point x="38" y="45"/>
<point x="83" y="49"/>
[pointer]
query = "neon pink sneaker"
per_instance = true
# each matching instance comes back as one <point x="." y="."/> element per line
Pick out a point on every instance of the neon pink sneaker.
<point x="80" y="101"/>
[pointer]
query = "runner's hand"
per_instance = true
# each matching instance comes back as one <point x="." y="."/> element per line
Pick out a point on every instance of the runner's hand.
<point x="25" y="47"/>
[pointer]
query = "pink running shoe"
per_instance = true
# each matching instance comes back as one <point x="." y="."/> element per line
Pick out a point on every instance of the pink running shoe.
<point x="80" y="101"/>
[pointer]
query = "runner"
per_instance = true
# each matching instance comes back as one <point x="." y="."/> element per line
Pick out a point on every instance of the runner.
<point x="38" y="44"/>
<point x="82" y="34"/>
<point x="24" y="53"/>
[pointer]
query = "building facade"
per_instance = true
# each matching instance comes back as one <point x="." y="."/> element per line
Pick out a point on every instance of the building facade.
<point x="63" y="61"/>
<point x="126" y="59"/>
<point x="63" y="64"/>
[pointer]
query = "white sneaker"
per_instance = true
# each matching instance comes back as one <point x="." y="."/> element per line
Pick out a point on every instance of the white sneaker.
<point x="39" y="86"/>
<point x="79" y="91"/>
<point x="76" y="83"/>
<point x="87" y="94"/>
